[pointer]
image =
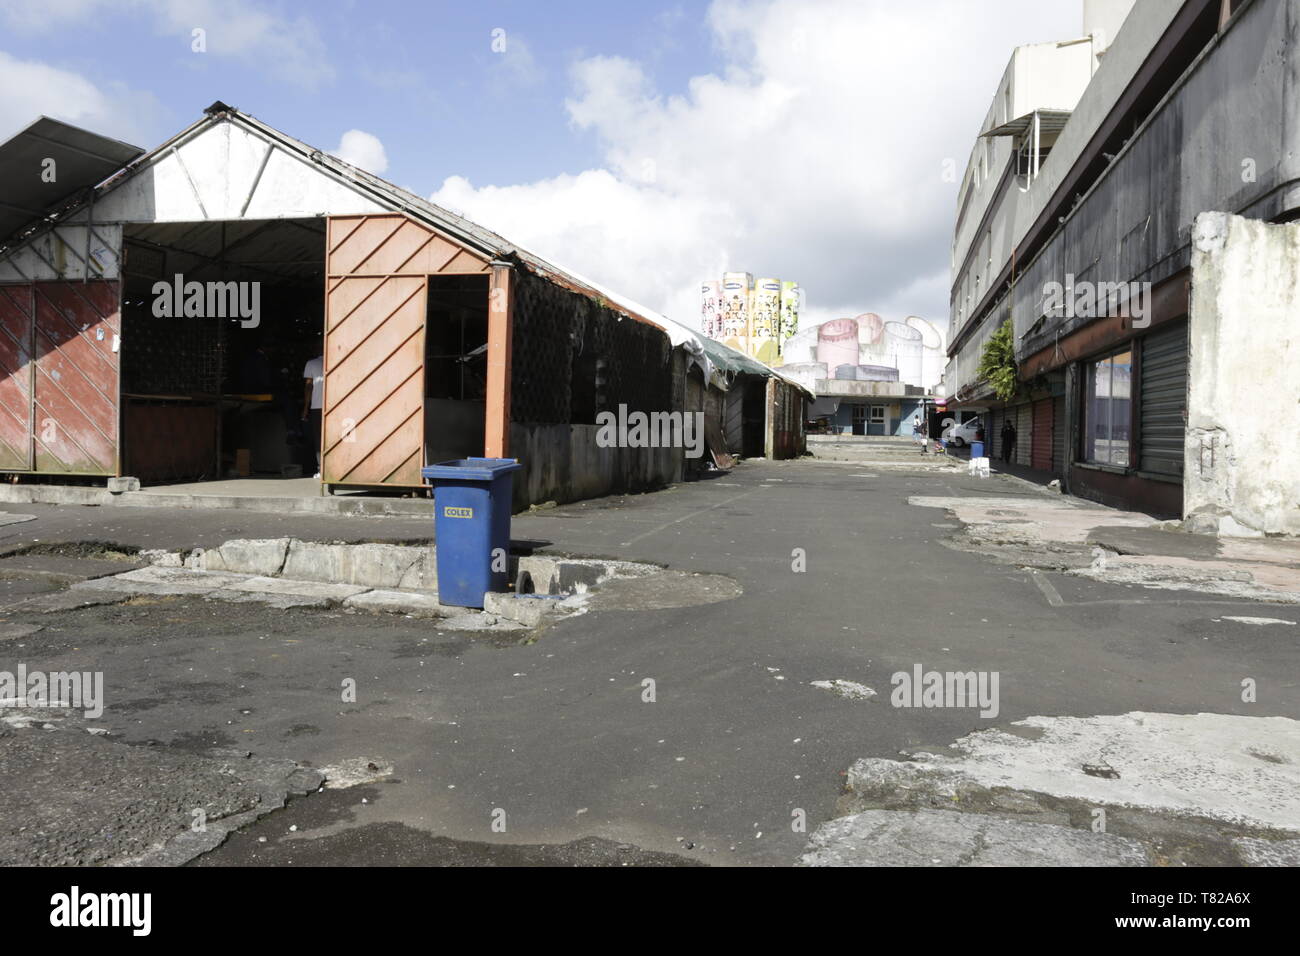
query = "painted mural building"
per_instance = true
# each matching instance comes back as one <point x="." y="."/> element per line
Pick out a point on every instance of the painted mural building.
<point x="872" y="376"/>
<point x="752" y="316"/>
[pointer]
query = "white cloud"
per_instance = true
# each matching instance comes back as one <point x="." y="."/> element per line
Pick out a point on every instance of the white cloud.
<point x="29" y="89"/>
<point x="513" y="62"/>
<point x="289" y="48"/>
<point x="364" y="150"/>
<point x="815" y="154"/>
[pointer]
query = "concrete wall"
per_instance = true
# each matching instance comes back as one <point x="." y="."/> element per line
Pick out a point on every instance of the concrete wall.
<point x="564" y="463"/>
<point x="1016" y="211"/>
<point x="1134" y="223"/>
<point x="1243" y="415"/>
<point x="1038" y="76"/>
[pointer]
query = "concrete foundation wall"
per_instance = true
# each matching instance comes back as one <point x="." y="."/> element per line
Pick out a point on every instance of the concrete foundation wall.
<point x="1243" y="416"/>
<point x="564" y="463"/>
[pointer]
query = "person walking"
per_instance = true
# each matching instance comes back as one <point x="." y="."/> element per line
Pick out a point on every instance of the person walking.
<point x="1008" y="440"/>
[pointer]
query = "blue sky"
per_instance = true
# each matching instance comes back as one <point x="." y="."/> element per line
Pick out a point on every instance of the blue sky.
<point x="422" y="76"/>
<point x="648" y="145"/>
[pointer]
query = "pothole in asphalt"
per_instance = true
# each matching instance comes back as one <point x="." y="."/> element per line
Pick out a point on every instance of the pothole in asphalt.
<point x="99" y="550"/>
<point x="1102" y="771"/>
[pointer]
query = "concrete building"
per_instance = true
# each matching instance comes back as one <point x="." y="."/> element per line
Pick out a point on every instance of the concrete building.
<point x="1124" y="237"/>
<point x="440" y="339"/>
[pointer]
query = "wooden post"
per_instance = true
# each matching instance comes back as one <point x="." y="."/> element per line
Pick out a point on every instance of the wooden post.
<point x="496" y="429"/>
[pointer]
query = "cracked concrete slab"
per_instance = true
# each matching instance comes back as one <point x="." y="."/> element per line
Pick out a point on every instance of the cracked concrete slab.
<point x="1257" y="852"/>
<point x="1243" y="770"/>
<point x="297" y="588"/>
<point x="1120" y="547"/>
<point x="369" y="565"/>
<point x="264" y="556"/>
<point x="161" y="580"/>
<point x="949" y="838"/>
<point x="1032" y="519"/>
<point x="417" y="603"/>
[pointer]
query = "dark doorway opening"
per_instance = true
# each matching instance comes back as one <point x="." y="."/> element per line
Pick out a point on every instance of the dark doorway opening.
<point x="455" y="367"/>
<point x="220" y="394"/>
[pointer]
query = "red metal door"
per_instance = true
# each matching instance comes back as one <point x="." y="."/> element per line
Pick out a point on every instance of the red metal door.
<point x="16" y="310"/>
<point x="1041" y="447"/>
<point x="75" y="388"/>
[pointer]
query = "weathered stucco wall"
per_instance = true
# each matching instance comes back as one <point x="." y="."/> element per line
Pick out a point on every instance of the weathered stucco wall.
<point x="1243" y="412"/>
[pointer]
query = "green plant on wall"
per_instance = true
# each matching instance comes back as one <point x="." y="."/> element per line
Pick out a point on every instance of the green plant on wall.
<point x="998" y="362"/>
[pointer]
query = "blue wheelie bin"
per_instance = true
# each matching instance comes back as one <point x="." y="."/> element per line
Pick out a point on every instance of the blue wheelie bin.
<point x="471" y="522"/>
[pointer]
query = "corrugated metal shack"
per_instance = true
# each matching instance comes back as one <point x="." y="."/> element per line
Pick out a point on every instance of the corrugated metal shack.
<point x="440" y="338"/>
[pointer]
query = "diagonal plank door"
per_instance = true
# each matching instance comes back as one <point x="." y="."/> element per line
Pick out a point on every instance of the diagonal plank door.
<point x="374" y="380"/>
<point x="377" y="269"/>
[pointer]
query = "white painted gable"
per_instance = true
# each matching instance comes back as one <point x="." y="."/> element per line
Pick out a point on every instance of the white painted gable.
<point x="218" y="174"/>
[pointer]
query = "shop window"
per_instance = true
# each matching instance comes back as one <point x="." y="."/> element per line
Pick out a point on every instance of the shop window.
<point x="1107" y="410"/>
<point x="877" y="414"/>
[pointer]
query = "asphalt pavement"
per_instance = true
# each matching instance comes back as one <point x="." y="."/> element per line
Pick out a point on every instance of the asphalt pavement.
<point x="627" y="735"/>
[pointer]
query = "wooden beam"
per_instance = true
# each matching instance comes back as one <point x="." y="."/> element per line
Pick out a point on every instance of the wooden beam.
<point x="496" y="432"/>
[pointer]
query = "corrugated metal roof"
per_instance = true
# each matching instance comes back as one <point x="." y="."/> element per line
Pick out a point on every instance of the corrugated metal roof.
<point x="1049" y="121"/>
<point x="81" y="159"/>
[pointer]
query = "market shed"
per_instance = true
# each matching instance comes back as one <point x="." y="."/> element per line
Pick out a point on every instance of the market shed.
<point x="157" y="310"/>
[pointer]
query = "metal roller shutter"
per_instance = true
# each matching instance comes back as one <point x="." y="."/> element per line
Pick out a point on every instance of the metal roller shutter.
<point x="1040" y="451"/>
<point x="1163" y="398"/>
<point x="1024" y="434"/>
<point x="1058" y="435"/>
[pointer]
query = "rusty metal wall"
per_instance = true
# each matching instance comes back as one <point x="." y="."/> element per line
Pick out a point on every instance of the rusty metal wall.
<point x="787" y="427"/>
<point x="76" y="389"/>
<point x="375" y="311"/>
<point x="59" y="377"/>
<point x="17" y="307"/>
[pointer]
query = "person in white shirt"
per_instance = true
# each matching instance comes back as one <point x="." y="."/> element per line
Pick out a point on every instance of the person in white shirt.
<point x="313" y="396"/>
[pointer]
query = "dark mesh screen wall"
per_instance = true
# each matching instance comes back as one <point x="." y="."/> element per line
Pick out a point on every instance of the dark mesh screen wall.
<point x="574" y="357"/>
